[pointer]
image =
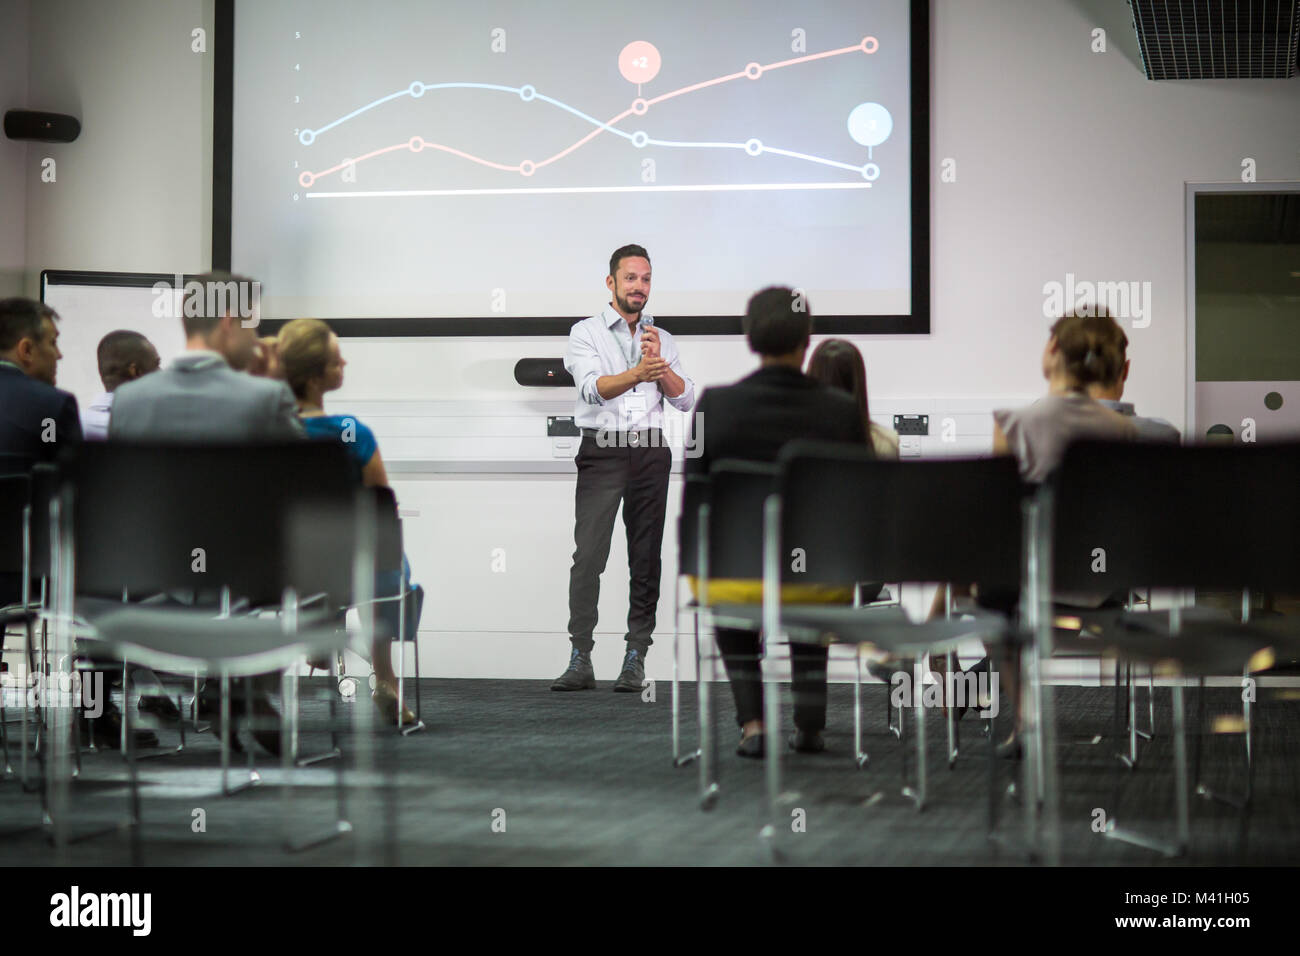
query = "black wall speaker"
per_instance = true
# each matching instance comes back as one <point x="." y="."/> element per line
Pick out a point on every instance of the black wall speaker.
<point x="542" y="371"/>
<point x="42" y="127"/>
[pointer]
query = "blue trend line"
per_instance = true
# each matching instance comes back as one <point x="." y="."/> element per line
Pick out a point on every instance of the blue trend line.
<point x="308" y="136"/>
<point x="528" y="93"/>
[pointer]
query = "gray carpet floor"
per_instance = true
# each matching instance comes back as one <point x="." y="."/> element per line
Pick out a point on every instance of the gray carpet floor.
<point x="508" y="773"/>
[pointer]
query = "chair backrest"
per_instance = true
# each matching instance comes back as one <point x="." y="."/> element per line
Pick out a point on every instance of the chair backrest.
<point x="15" y="496"/>
<point x="736" y="493"/>
<point x="854" y="517"/>
<point x="1132" y="514"/>
<point x="11" y="464"/>
<point x="154" y="518"/>
<point x="695" y="493"/>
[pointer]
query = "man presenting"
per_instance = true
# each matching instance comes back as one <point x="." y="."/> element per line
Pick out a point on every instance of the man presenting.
<point x="624" y="368"/>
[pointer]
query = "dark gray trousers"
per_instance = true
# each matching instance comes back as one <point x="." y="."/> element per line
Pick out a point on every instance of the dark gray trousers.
<point x="637" y="475"/>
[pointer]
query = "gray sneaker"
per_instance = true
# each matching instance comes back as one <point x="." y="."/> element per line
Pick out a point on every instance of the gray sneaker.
<point x="633" y="675"/>
<point x="579" y="676"/>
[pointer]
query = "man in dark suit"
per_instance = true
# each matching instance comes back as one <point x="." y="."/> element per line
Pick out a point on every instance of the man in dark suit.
<point x="36" y="419"/>
<point x="751" y="420"/>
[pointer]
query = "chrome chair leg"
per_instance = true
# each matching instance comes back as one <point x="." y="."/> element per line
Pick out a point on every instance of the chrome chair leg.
<point x="680" y="759"/>
<point x="860" y="756"/>
<point x="917" y="794"/>
<point x="708" y="740"/>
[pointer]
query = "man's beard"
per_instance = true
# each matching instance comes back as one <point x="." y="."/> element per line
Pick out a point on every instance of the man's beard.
<point x="627" y="307"/>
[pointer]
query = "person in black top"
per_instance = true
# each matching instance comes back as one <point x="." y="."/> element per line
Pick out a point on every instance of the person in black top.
<point x="751" y="420"/>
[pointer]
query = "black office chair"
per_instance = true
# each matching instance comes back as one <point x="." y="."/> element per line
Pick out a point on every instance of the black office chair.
<point x="148" y="519"/>
<point x="854" y="518"/>
<point x="1120" y="516"/>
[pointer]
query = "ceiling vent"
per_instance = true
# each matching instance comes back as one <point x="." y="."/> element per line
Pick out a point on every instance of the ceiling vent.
<point x="1217" y="39"/>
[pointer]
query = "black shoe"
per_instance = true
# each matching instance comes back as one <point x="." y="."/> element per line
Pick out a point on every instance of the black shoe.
<point x="632" y="678"/>
<point x="106" y="730"/>
<point x="267" y="728"/>
<point x="751" y="746"/>
<point x="807" y="741"/>
<point x="579" y="676"/>
<point x="160" y="706"/>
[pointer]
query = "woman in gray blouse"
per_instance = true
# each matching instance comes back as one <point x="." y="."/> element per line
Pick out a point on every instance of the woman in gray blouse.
<point x="1080" y="351"/>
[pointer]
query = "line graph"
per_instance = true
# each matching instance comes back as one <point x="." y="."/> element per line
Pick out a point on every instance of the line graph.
<point x="868" y="129"/>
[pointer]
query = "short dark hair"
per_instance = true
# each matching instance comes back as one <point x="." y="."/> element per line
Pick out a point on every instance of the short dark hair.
<point x="196" y="315"/>
<point x="777" y="321"/>
<point x="20" y="319"/>
<point x="625" y="252"/>
<point x="117" y="352"/>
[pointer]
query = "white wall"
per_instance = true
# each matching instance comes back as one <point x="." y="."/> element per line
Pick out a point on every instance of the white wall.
<point x="13" y="155"/>
<point x="1067" y="161"/>
<point x="134" y="191"/>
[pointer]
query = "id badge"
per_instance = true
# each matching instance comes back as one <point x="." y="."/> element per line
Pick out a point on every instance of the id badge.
<point x="634" y="409"/>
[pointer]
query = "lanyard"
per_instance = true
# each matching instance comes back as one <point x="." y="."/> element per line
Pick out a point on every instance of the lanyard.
<point x="619" y="345"/>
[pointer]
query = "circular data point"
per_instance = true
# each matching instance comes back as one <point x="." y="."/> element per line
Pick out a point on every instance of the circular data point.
<point x="307" y="137"/>
<point x="305" y="180"/>
<point x="639" y="106"/>
<point x="527" y="92"/>
<point x="527" y="167"/>
<point x="870" y="124"/>
<point x="870" y="44"/>
<point x="870" y="172"/>
<point x="640" y="139"/>
<point x="753" y="70"/>
<point x="639" y="62"/>
<point x="416" y="144"/>
<point x="753" y="147"/>
<point x="416" y="89"/>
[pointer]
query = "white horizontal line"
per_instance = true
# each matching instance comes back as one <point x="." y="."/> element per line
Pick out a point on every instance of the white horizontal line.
<point x="725" y="187"/>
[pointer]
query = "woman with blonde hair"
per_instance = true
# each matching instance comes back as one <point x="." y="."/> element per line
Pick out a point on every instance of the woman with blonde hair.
<point x="312" y="363"/>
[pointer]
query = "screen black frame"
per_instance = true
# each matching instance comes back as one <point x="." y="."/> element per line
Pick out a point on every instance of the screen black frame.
<point x="917" y="323"/>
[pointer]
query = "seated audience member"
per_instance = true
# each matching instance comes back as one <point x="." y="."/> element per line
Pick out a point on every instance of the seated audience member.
<point x="205" y="396"/>
<point x="1081" y="351"/>
<point x="36" y="419"/>
<point x="838" y="363"/>
<point x="752" y="420"/>
<point x="123" y="357"/>
<point x="312" y="364"/>
<point x="1111" y="392"/>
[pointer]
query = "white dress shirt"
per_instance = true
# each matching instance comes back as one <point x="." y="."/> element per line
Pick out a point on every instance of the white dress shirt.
<point x="603" y="345"/>
<point x="94" y="418"/>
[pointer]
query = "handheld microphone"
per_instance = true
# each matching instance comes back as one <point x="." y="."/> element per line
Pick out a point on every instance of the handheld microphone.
<point x="646" y="321"/>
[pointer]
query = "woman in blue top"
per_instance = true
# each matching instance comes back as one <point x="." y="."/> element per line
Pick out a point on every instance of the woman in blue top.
<point x="312" y="363"/>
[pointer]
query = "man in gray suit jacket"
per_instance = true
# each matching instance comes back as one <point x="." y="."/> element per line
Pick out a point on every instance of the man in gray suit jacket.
<point x="204" y="394"/>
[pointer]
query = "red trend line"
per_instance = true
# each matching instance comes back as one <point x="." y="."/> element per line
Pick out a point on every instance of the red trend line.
<point x="752" y="71"/>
